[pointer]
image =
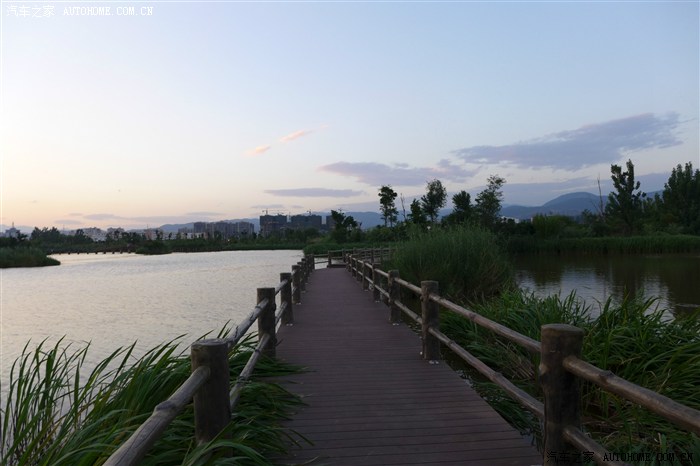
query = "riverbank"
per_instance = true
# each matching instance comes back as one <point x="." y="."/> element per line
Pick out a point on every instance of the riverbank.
<point x="21" y="256"/>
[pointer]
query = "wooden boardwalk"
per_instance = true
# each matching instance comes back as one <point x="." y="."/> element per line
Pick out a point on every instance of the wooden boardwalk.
<point x="370" y="397"/>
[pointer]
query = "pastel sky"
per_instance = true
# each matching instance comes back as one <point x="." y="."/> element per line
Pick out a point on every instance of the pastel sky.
<point x="223" y="110"/>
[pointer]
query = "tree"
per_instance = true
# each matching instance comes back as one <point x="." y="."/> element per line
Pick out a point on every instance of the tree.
<point x="387" y="205"/>
<point x="417" y="216"/>
<point x="625" y="204"/>
<point x="488" y="202"/>
<point x="680" y="199"/>
<point x="343" y="225"/>
<point x="433" y="200"/>
<point x="462" y="208"/>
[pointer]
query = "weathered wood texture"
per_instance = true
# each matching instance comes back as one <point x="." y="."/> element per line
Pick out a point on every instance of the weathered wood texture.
<point x="371" y="398"/>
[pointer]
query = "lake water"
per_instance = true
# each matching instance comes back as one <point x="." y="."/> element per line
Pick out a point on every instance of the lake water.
<point x="114" y="300"/>
<point x="674" y="279"/>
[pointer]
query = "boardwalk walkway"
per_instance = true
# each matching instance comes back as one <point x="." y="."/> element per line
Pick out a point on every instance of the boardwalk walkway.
<point x="372" y="400"/>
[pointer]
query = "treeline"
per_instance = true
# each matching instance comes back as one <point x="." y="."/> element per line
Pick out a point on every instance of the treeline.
<point x="628" y="212"/>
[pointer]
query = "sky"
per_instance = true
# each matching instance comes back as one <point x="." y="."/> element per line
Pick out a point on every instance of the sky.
<point x="171" y="112"/>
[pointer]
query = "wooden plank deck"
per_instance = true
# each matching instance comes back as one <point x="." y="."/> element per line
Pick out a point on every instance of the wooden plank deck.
<point x="372" y="400"/>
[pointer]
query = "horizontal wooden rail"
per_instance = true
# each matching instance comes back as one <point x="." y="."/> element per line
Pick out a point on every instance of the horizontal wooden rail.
<point x="578" y="439"/>
<point x="210" y="375"/>
<point x="135" y="448"/>
<point x="558" y="374"/>
<point x="526" y="342"/>
<point x="532" y="404"/>
<point x="680" y="414"/>
<point x="244" y="376"/>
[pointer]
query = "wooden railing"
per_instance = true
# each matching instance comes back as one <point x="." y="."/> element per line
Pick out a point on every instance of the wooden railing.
<point x="339" y="257"/>
<point x="209" y="383"/>
<point x="560" y="366"/>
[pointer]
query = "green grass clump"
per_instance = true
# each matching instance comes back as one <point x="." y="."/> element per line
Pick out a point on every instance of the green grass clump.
<point x="468" y="263"/>
<point x="633" y="339"/>
<point x="24" y="257"/>
<point x="57" y="412"/>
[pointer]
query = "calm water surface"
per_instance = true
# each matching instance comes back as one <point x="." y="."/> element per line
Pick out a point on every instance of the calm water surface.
<point x="114" y="300"/>
<point x="674" y="279"/>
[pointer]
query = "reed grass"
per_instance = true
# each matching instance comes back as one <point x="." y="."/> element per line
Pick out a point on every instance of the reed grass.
<point x="60" y="412"/>
<point x="634" y="339"/>
<point x="469" y="263"/>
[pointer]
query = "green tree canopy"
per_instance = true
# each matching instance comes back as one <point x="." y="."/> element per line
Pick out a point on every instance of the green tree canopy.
<point x="417" y="215"/>
<point x="625" y="204"/>
<point x="344" y="224"/>
<point x="681" y="198"/>
<point x="461" y="209"/>
<point x="488" y="202"/>
<point x="433" y="200"/>
<point x="387" y="205"/>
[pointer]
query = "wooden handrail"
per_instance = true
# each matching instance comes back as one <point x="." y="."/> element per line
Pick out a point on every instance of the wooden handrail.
<point x="137" y="445"/>
<point x="684" y="416"/>
<point x="135" y="448"/>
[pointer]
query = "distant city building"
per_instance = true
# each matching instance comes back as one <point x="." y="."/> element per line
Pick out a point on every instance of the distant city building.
<point x="271" y="224"/>
<point x="115" y="233"/>
<point x="223" y="230"/>
<point x="153" y="233"/>
<point x="303" y="222"/>
<point x="330" y="223"/>
<point x="12" y="232"/>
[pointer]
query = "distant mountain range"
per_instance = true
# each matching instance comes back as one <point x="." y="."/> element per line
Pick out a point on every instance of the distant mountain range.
<point x="572" y="205"/>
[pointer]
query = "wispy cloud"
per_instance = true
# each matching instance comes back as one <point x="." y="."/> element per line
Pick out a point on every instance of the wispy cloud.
<point x="605" y="142"/>
<point x="313" y="192"/>
<point x="260" y="150"/>
<point x="285" y="139"/>
<point x="295" y="135"/>
<point x="376" y="174"/>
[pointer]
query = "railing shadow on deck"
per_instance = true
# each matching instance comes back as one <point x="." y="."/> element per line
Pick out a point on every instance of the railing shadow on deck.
<point x="209" y="382"/>
<point x="559" y="371"/>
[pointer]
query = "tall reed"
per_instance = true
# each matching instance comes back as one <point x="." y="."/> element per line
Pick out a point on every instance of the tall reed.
<point x="59" y="412"/>
<point x="469" y="263"/>
<point x="633" y="339"/>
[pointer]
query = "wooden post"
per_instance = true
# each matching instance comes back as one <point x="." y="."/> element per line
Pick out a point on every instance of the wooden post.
<point x="266" y="321"/>
<point x="312" y="262"/>
<point x="431" y="318"/>
<point x="561" y="390"/>
<point x="286" y="297"/>
<point x="304" y="271"/>
<point x="365" y="276"/>
<point x="302" y="277"/>
<point x="212" y="411"/>
<point x="296" y="282"/>
<point x="376" y="278"/>
<point x="329" y="259"/>
<point x="394" y="296"/>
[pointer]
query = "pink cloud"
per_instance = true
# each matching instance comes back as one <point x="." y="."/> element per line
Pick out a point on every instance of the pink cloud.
<point x="295" y="135"/>
<point x="260" y="150"/>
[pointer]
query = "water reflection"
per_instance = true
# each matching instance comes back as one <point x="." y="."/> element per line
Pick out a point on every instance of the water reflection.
<point x="673" y="279"/>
